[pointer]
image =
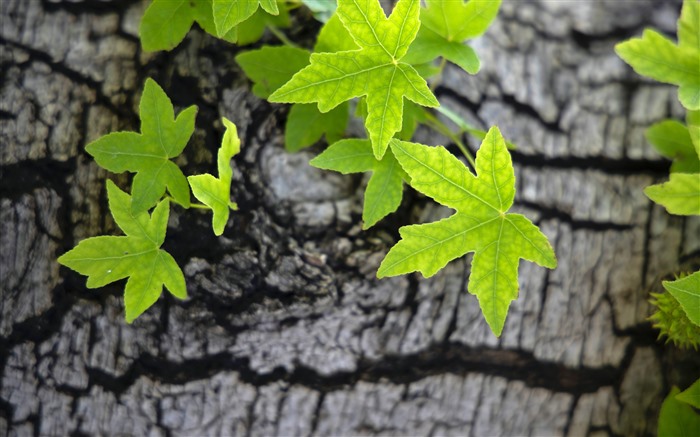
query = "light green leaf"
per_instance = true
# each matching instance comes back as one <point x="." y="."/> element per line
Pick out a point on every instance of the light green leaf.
<point x="692" y="119"/>
<point x="691" y="395"/>
<point x="334" y="37"/>
<point x="148" y="154"/>
<point x="166" y="22"/>
<point x="689" y="25"/>
<point x="657" y="57"/>
<point x="322" y="9"/>
<point x="481" y="224"/>
<point x="385" y="187"/>
<point x="428" y="45"/>
<point x="676" y="418"/>
<point x="229" y="13"/>
<point x="456" y="21"/>
<point x="136" y="256"/>
<point x="375" y="70"/>
<point x="687" y="293"/>
<point x="270" y="67"/>
<point x="673" y="141"/>
<point x="216" y="193"/>
<point x="252" y="29"/>
<point x="306" y="125"/>
<point x="412" y="116"/>
<point x="680" y="195"/>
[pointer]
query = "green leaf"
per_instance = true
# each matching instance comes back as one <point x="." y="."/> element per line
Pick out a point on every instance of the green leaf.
<point x="166" y="22"/>
<point x="322" y="9"/>
<point x="657" y="57"/>
<point x="148" y="154"/>
<point x="375" y="70"/>
<point x="481" y="224"/>
<point x="692" y="119"/>
<point x="334" y="37"/>
<point x="385" y="187"/>
<point x="252" y="29"/>
<point x="229" y="13"/>
<point x="306" y="125"/>
<point x="677" y="418"/>
<point x="136" y="256"/>
<point x="216" y="193"/>
<point x="673" y="141"/>
<point x="687" y="293"/>
<point x="456" y="21"/>
<point x="428" y="45"/>
<point x="680" y="195"/>
<point x="691" y="395"/>
<point x="689" y="25"/>
<point x="271" y="67"/>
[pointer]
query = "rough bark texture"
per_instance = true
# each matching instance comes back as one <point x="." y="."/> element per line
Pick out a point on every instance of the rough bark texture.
<point x="287" y="331"/>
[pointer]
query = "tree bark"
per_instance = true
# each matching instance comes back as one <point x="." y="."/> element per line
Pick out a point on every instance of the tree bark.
<point x="287" y="331"/>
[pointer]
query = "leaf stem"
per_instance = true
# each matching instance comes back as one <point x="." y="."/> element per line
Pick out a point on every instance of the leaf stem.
<point x="192" y="205"/>
<point x="281" y="36"/>
<point x="440" y="127"/>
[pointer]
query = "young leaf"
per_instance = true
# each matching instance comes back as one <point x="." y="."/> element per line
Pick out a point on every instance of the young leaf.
<point x="481" y="224"/>
<point x="166" y="22"/>
<point x="334" y="37"/>
<point x="691" y="395"/>
<point x="385" y="187"/>
<point x="148" y="154"/>
<point x="306" y="125"/>
<point x="692" y="119"/>
<point x="375" y="70"/>
<point x="655" y="56"/>
<point x="689" y="25"/>
<point x="229" y="13"/>
<point x="457" y="21"/>
<point x="673" y="141"/>
<point x="253" y="28"/>
<point x="680" y="195"/>
<point x="271" y="67"/>
<point x="446" y="24"/>
<point x="137" y="255"/>
<point x="216" y="193"/>
<point x="677" y="418"/>
<point x="687" y="292"/>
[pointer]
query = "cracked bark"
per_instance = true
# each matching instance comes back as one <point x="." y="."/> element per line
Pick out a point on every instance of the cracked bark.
<point x="286" y="331"/>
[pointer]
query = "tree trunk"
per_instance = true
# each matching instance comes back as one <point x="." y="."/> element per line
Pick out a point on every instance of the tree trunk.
<point x="287" y="331"/>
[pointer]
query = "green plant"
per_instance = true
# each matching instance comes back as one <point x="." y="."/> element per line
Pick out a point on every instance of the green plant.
<point x="359" y="53"/>
<point x="657" y="57"/>
<point x="678" y="416"/>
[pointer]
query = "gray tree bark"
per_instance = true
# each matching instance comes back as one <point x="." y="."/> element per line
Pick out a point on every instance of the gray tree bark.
<point x="287" y="331"/>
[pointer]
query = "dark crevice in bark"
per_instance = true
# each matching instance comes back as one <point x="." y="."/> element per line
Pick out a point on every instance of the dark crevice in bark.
<point x="24" y="177"/>
<point x="73" y="75"/>
<point x="549" y="213"/>
<point x="623" y="167"/>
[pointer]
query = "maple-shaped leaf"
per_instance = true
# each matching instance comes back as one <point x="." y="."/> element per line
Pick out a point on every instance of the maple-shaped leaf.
<point x="677" y="418"/>
<point x="692" y="119"/>
<point x="385" y="186"/>
<point x="137" y="255"/>
<point x="655" y="56"/>
<point x="375" y="70"/>
<point x="691" y="395"/>
<point x="148" y="154"/>
<point x="446" y="25"/>
<point x="687" y="292"/>
<point x="482" y="223"/>
<point x="680" y="195"/>
<point x="166" y="22"/>
<point x="229" y="13"/>
<point x="269" y="68"/>
<point x="252" y="29"/>
<point x="216" y="192"/>
<point x="673" y="140"/>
